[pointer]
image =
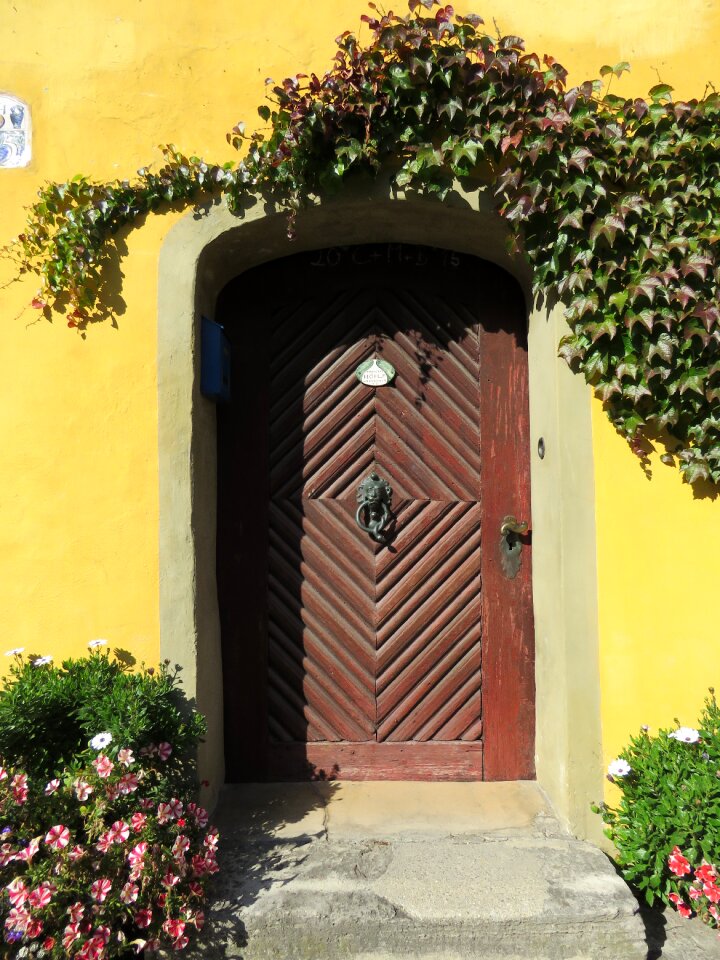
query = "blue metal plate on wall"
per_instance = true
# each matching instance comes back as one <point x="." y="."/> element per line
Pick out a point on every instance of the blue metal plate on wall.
<point x="214" y="362"/>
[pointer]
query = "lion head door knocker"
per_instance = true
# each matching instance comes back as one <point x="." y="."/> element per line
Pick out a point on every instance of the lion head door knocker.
<point x="375" y="498"/>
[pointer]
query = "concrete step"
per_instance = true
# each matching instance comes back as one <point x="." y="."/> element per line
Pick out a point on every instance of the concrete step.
<point x="322" y="872"/>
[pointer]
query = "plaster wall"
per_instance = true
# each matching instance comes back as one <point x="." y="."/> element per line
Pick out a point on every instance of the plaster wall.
<point x="80" y="549"/>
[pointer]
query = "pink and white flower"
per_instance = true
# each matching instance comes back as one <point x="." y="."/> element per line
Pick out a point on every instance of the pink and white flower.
<point x="137" y="853"/>
<point x="100" y="889"/>
<point x="711" y="891"/>
<point x="199" y="813"/>
<point x="174" y="928"/>
<point x="51" y="787"/>
<point x="34" y="928"/>
<point x="181" y="846"/>
<point x="119" y="832"/>
<point x="19" y="788"/>
<point x="143" y="918"/>
<point x="71" y="933"/>
<point x="82" y="790"/>
<point x="18" y="919"/>
<point x="128" y="783"/>
<point x="27" y="854"/>
<point x="706" y="872"/>
<point x="679" y="864"/>
<point x="138" y="821"/>
<point x="7" y="854"/>
<point x="92" y="949"/>
<point x="125" y="757"/>
<point x="17" y="892"/>
<point x="41" y="896"/>
<point x="129" y="893"/>
<point x="112" y="791"/>
<point x="57" y="837"/>
<point x="76" y="853"/>
<point x="104" y="843"/>
<point x="103" y="765"/>
<point x="164" y="750"/>
<point x="76" y="911"/>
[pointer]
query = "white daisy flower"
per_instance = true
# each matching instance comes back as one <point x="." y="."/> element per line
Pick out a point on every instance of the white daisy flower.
<point x="14" y="652"/>
<point x="97" y="643"/>
<point x="101" y="740"/>
<point x="619" y="768"/>
<point x="685" y="735"/>
<point x="41" y="661"/>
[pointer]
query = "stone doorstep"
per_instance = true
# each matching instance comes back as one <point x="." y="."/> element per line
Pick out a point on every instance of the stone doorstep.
<point x="346" y="810"/>
<point x="398" y="870"/>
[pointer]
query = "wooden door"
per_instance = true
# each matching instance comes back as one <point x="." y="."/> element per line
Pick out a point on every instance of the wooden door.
<point x="411" y="658"/>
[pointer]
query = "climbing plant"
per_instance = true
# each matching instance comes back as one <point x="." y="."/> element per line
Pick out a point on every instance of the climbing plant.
<point x="614" y="202"/>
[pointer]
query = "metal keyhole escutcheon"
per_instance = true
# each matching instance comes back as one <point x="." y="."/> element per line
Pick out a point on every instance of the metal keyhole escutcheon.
<point x="511" y="545"/>
<point x="375" y="498"/>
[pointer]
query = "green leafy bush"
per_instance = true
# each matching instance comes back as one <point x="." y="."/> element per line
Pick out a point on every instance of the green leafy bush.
<point x="104" y="851"/>
<point x="670" y="786"/>
<point x="49" y="714"/>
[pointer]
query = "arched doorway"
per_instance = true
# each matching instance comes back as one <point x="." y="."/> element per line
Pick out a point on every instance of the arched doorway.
<point x="408" y="655"/>
<point x="200" y="254"/>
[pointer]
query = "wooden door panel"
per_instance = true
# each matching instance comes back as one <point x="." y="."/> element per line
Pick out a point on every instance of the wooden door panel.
<point x="441" y="571"/>
<point x="321" y="638"/>
<point x="429" y="623"/>
<point x="427" y="760"/>
<point x="299" y="452"/>
<point x="427" y="423"/>
<point x="410" y="658"/>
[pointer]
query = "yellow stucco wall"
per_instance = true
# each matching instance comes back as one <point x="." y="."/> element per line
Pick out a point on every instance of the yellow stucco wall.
<point x="106" y="83"/>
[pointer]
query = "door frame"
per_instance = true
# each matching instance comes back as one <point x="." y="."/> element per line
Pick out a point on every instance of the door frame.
<point x="199" y="255"/>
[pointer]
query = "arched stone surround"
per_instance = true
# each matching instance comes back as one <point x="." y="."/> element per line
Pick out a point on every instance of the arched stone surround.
<point x="205" y="250"/>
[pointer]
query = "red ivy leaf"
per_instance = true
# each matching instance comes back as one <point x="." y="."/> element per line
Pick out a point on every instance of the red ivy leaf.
<point x="512" y="141"/>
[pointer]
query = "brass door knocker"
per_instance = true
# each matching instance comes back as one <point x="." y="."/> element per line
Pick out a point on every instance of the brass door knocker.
<point x="375" y="497"/>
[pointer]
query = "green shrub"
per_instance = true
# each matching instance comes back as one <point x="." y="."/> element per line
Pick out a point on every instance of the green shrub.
<point x="104" y="851"/>
<point x="49" y="714"/>
<point x="670" y="798"/>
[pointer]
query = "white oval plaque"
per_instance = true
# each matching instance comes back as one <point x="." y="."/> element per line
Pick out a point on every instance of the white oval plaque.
<point x="375" y="373"/>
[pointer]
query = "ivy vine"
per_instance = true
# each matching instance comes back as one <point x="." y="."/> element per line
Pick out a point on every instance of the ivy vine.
<point x="614" y="202"/>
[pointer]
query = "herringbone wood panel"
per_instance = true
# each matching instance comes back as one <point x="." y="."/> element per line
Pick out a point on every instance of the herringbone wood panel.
<point x="366" y="641"/>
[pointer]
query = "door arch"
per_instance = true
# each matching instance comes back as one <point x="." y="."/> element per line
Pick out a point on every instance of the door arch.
<point x="205" y="249"/>
<point x="411" y="658"/>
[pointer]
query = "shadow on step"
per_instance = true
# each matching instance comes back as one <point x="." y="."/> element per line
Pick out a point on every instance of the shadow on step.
<point x="263" y="835"/>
